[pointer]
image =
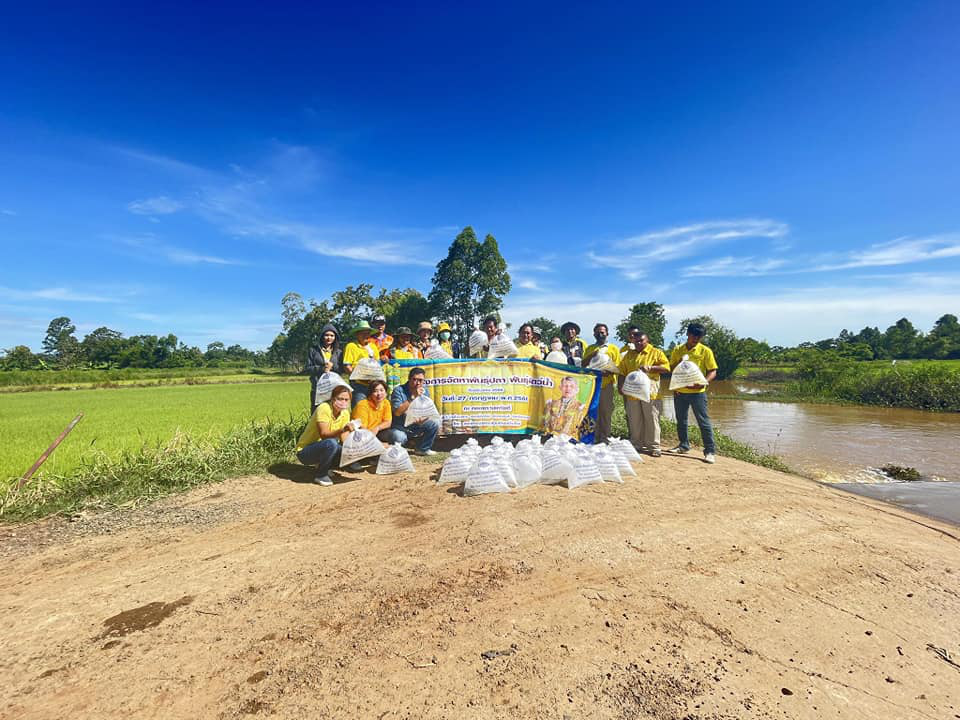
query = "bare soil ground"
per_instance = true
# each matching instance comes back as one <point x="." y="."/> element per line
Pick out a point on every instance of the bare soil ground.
<point x="690" y="592"/>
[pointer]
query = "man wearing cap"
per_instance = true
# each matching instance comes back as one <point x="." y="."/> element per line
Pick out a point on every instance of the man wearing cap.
<point x="446" y="338"/>
<point x="404" y="349"/>
<point x="526" y="347"/>
<point x="643" y="418"/>
<point x="380" y="338"/>
<point x="694" y="396"/>
<point x="573" y="346"/>
<point x="605" y="410"/>
<point x="359" y="348"/>
<point x="425" y="333"/>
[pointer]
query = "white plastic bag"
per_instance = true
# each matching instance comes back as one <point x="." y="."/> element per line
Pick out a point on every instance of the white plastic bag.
<point x="686" y="373"/>
<point x="456" y="467"/>
<point x="507" y="472"/>
<point x="325" y="385"/>
<point x="637" y="385"/>
<point x="478" y="339"/>
<point x="555" y="356"/>
<point x="502" y="347"/>
<point x="623" y="465"/>
<point x="484" y="477"/>
<point x="436" y="352"/>
<point x="367" y="369"/>
<point x="394" y="459"/>
<point x="528" y="468"/>
<point x="359" y="444"/>
<point x="607" y="465"/>
<point x="421" y="408"/>
<point x="555" y="468"/>
<point x="585" y="472"/>
<point x="602" y="362"/>
<point x="626" y="448"/>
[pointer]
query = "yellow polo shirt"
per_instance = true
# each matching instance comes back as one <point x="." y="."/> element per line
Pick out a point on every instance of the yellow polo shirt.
<point x="612" y="351"/>
<point x="323" y="413"/>
<point x="354" y="352"/>
<point x="635" y="359"/>
<point x="528" y="350"/>
<point x="701" y="355"/>
<point x="407" y="352"/>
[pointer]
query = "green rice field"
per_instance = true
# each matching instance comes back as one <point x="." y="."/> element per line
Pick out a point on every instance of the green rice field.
<point x="125" y="419"/>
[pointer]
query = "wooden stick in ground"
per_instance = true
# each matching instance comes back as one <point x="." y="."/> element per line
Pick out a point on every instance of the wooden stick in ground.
<point x="46" y="453"/>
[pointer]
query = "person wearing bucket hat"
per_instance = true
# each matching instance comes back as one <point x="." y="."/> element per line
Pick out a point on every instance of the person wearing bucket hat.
<point x="404" y="349"/>
<point x="446" y="337"/>
<point x="573" y="345"/>
<point x="380" y="337"/>
<point x="425" y="332"/>
<point x="356" y="350"/>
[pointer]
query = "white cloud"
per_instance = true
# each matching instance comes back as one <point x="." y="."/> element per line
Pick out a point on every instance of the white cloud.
<point x="149" y="246"/>
<point x="54" y="293"/>
<point x="528" y="285"/>
<point x="734" y="267"/>
<point x="160" y="205"/>
<point x="901" y="251"/>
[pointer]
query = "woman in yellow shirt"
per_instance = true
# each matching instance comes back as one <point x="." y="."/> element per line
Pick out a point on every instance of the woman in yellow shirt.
<point x="374" y="410"/>
<point x="320" y="443"/>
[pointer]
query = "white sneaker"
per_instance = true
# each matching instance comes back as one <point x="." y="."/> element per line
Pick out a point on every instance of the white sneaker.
<point x="709" y="458"/>
<point x="678" y="450"/>
<point x="323" y="480"/>
<point x="424" y="452"/>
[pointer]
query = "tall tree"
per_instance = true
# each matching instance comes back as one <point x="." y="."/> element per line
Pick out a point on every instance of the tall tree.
<point x="101" y="347"/>
<point x="293" y="310"/>
<point x="401" y="307"/>
<point x="18" y="358"/>
<point x="722" y="340"/>
<point x="60" y="341"/>
<point x="470" y="282"/>
<point x="901" y="340"/>
<point x="649" y="318"/>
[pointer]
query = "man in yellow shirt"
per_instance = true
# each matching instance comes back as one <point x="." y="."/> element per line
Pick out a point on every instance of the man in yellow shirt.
<point x="359" y="348"/>
<point x="526" y="348"/>
<point x="404" y="349"/>
<point x="643" y="418"/>
<point x="694" y="396"/>
<point x="605" y="411"/>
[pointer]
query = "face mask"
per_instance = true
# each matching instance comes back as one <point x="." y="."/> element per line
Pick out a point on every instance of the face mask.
<point x="556" y="346"/>
<point x="444" y="335"/>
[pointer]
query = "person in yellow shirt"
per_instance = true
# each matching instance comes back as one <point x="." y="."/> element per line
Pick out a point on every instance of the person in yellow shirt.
<point x="526" y="347"/>
<point x="694" y="396"/>
<point x="404" y="348"/>
<point x="375" y="415"/>
<point x="359" y="348"/>
<point x="446" y="337"/>
<point x="381" y="338"/>
<point x="605" y="410"/>
<point x="643" y="418"/>
<point x="320" y="442"/>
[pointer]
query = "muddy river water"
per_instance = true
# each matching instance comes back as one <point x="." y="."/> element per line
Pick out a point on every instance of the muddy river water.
<point x="845" y="444"/>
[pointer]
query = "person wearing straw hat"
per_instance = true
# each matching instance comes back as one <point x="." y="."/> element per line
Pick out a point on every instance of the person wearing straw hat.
<point x="359" y="348"/>
<point x="425" y="333"/>
<point x="404" y="349"/>
<point x="573" y="345"/>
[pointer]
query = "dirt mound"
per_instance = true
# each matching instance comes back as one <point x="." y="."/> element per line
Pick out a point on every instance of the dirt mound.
<point x="693" y="591"/>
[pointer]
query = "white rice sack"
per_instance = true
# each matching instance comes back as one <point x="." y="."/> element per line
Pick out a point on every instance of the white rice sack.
<point x="507" y="472"/>
<point x="456" y="467"/>
<point x="555" y="468"/>
<point x="436" y="352"/>
<point x="421" y="408"/>
<point x="626" y="448"/>
<point x="496" y="441"/>
<point x="602" y="362"/>
<point x="607" y="465"/>
<point x="359" y="444"/>
<point x="637" y="385"/>
<point x="623" y="465"/>
<point x="325" y="385"/>
<point x="555" y="356"/>
<point x="528" y="468"/>
<point x="394" y="459"/>
<point x="687" y="372"/>
<point x="557" y="441"/>
<point x="585" y="472"/>
<point x="484" y="477"/>
<point x="502" y="347"/>
<point x="367" y="369"/>
<point x="478" y="340"/>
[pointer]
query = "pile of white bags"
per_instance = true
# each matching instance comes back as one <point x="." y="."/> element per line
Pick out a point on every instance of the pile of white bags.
<point x="325" y="385"/>
<point x="637" y="385"/>
<point x="420" y="409"/>
<point x="359" y="444"/>
<point x="502" y="347"/>
<point x="500" y="467"/>
<point x="686" y="373"/>
<point x="394" y="459"/>
<point x="367" y="369"/>
<point x="478" y="340"/>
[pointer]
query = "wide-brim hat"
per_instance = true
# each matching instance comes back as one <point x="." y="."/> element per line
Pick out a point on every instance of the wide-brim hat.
<point x="536" y="331"/>
<point x="362" y="325"/>
<point x="402" y="331"/>
<point x="563" y="328"/>
<point x="425" y="325"/>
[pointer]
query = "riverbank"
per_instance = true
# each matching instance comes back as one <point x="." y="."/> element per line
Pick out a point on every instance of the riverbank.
<point x="725" y="591"/>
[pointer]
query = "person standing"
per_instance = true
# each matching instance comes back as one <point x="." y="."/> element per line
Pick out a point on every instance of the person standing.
<point x="446" y="338"/>
<point x="607" y="383"/>
<point x="643" y="418"/>
<point x="694" y="397"/>
<point x="359" y="348"/>
<point x="573" y="345"/>
<point x="425" y="334"/>
<point x="324" y="356"/>
<point x="526" y="347"/>
<point x="404" y="349"/>
<point x="422" y="430"/>
<point x="380" y="338"/>
<point x="538" y="340"/>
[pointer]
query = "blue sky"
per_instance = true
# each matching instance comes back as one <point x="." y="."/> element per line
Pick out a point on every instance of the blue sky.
<point x="790" y="170"/>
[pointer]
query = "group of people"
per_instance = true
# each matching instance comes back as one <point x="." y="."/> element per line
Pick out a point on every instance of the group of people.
<point x="331" y="421"/>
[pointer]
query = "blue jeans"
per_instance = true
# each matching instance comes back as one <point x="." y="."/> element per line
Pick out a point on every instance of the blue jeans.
<point x="682" y="403"/>
<point x="322" y="453"/>
<point x="360" y="391"/>
<point x="426" y="432"/>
